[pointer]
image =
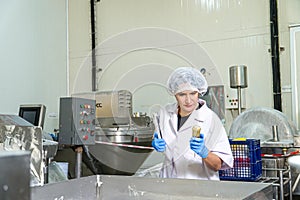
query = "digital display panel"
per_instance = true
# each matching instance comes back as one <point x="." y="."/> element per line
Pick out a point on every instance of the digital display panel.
<point x="34" y="114"/>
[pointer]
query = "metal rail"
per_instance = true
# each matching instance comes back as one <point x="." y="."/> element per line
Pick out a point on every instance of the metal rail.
<point x="284" y="178"/>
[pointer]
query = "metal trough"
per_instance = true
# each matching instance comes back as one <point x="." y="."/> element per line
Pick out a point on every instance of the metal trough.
<point x="129" y="188"/>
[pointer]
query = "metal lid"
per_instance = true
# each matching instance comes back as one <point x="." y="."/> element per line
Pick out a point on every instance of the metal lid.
<point x="257" y="123"/>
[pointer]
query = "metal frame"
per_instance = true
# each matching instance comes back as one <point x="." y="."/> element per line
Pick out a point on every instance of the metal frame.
<point x="284" y="179"/>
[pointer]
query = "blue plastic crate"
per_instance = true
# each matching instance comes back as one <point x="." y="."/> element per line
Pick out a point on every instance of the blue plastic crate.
<point x="247" y="161"/>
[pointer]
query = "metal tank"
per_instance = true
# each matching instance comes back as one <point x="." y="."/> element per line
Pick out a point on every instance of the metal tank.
<point x="122" y="138"/>
<point x="279" y="140"/>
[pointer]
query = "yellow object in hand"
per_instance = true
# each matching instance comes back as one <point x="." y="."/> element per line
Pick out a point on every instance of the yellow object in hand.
<point x="196" y="131"/>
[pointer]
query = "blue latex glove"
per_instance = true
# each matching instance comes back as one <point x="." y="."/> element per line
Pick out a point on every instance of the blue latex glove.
<point x="158" y="144"/>
<point x="198" y="146"/>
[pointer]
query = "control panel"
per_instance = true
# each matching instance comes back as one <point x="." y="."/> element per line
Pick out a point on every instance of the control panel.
<point x="76" y="121"/>
<point x="231" y="99"/>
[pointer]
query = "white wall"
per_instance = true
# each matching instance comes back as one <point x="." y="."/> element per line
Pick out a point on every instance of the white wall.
<point x="230" y="32"/>
<point x="79" y="45"/>
<point x="33" y="55"/>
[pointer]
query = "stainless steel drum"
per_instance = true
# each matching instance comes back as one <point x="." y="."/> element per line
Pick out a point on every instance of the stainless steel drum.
<point x="118" y="150"/>
<point x="122" y="140"/>
<point x="121" y="149"/>
<point x="135" y="130"/>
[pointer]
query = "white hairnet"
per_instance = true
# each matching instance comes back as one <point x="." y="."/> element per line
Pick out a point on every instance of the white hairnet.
<point x="187" y="78"/>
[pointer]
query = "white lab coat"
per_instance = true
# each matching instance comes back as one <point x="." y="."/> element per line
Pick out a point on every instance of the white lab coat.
<point x="180" y="161"/>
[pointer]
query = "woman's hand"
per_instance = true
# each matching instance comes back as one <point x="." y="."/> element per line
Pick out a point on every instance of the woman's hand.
<point x="198" y="146"/>
<point x="158" y="144"/>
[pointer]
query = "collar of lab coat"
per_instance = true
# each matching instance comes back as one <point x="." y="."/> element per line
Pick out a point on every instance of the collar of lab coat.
<point x="173" y="110"/>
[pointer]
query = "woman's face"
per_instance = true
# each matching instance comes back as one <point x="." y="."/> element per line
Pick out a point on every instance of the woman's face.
<point x="187" y="101"/>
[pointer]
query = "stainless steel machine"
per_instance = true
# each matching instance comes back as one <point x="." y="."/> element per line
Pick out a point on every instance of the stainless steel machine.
<point x="122" y="138"/>
<point x="278" y="139"/>
<point x="17" y="134"/>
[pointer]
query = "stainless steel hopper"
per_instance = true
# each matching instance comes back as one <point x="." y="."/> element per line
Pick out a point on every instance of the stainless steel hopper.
<point x="132" y="188"/>
<point x="121" y="149"/>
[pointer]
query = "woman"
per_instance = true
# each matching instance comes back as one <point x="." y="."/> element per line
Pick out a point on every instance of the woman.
<point x="187" y="156"/>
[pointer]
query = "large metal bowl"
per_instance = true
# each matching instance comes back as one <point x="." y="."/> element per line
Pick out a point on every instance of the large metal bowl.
<point x="122" y="159"/>
<point x="120" y="149"/>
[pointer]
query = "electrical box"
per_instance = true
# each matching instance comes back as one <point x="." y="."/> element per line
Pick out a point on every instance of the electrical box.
<point x="76" y="121"/>
<point x="231" y="99"/>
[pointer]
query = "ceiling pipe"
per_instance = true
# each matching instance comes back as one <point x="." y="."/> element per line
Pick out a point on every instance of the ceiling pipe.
<point x="275" y="55"/>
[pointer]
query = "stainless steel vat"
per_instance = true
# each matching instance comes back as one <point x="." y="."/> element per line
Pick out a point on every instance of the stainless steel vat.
<point x="131" y="188"/>
<point x="138" y="130"/>
<point x="122" y="159"/>
<point x="122" y="139"/>
<point x="118" y="150"/>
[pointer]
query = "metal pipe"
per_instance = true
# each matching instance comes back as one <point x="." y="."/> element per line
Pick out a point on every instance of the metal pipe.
<point x="78" y="163"/>
<point x="239" y="93"/>
<point x="281" y="185"/>
<point x="275" y="55"/>
<point x="290" y="184"/>
<point x="93" y="40"/>
<point x="275" y="133"/>
<point x="296" y="183"/>
<point x="46" y="171"/>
